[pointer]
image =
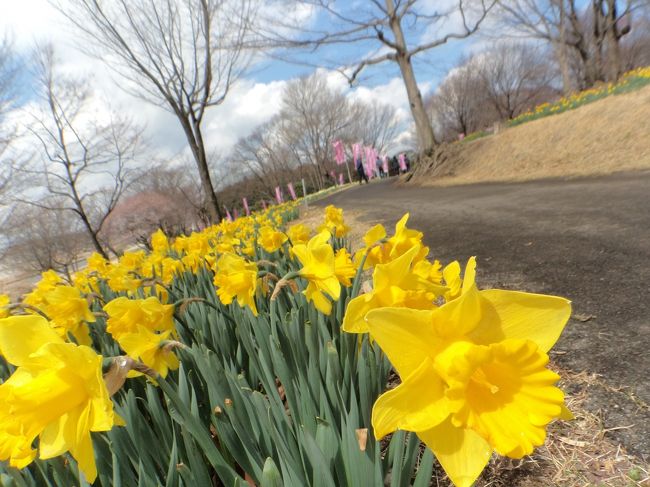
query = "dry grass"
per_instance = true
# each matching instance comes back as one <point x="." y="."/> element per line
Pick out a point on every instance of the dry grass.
<point x="607" y="136"/>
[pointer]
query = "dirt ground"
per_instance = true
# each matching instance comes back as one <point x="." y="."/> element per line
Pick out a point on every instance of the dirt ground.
<point x="585" y="239"/>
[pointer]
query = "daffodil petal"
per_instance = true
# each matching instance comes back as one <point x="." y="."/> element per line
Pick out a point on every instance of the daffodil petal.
<point x="374" y="235"/>
<point x="20" y="336"/>
<point x="405" y="335"/>
<point x="417" y="404"/>
<point x="461" y="452"/>
<point x="524" y="316"/>
<point x="457" y="318"/>
<point x="355" y="314"/>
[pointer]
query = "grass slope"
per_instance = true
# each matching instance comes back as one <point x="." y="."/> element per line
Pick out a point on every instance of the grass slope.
<point x="603" y="137"/>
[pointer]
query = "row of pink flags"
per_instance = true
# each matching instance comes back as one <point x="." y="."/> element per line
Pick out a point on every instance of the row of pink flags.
<point x="279" y="198"/>
<point x="368" y="156"/>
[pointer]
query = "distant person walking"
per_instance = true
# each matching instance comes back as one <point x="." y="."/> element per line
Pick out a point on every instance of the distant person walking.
<point x="361" y="172"/>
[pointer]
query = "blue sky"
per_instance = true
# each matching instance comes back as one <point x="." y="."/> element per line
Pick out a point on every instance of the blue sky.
<point x="255" y="99"/>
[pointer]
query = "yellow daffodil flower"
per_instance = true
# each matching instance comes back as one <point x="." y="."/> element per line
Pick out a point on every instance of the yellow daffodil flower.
<point x="299" y="234"/>
<point x="126" y="315"/>
<point x="318" y="267"/>
<point x="69" y="312"/>
<point x="270" y="239"/>
<point x="334" y="222"/>
<point x="397" y="245"/>
<point x="236" y="277"/>
<point x="344" y="268"/>
<point x="473" y="374"/>
<point x="394" y="284"/>
<point x="57" y="394"/>
<point x="159" y="242"/>
<point x="149" y="348"/>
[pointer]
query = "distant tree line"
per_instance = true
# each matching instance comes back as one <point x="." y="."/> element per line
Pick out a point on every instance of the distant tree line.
<point x="87" y="181"/>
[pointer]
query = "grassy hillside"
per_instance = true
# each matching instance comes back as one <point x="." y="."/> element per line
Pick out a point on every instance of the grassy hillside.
<point x="606" y="136"/>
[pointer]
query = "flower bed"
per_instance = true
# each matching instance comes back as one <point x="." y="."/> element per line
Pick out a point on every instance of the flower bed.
<point x="259" y="352"/>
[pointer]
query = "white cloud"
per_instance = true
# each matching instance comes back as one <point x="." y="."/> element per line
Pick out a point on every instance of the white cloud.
<point x="248" y="104"/>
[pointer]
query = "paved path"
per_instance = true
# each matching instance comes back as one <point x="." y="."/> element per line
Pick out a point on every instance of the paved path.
<point x="587" y="240"/>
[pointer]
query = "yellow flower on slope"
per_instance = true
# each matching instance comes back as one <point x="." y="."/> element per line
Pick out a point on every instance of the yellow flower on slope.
<point x="319" y="268"/>
<point x="126" y="315"/>
<point x="394" y="284"/>
<point x="57" y="393"/>
<point x="270" y="239"/>
<point x="236" y="277"/>
<point x="473" y="374"/>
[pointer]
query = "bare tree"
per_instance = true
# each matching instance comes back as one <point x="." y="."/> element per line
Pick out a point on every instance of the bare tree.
<point x="391" y="31"/>
<point x="182" y="55"/>
<point x="38" y="243"/>
<point x="374" y="124"/>
<point x="515" y="77"/>
<point x="83" y="166"/>
<point x="635" y="50"/>
<point x="8" y="75"/>
<point x="460" y="104"/>
<point x="298" y="140"/>
<point x="589" y="33"/>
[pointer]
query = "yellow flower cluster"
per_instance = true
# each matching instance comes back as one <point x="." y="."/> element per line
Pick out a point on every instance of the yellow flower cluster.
<point x="472" y="363"/>
<point x="577" y="99"/>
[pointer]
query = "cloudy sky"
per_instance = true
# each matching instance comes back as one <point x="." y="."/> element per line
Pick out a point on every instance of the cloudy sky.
<point x="254" y="99"/>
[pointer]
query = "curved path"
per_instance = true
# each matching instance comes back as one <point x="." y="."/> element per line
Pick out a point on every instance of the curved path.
<point x="587" y="240"/>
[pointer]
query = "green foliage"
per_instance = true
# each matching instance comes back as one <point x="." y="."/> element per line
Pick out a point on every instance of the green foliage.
<point x="281" y="399"/>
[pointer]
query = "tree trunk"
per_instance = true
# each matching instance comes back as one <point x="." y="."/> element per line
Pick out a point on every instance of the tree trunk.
<point x="426" y="139"/>
<point x="195" y="140"/>
<point x="93" y="236"/>
<point x="563" y="55"/>
<point x="613" y="36"/>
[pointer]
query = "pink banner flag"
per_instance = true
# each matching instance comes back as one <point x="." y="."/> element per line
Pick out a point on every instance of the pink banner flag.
<point x="402" y="162"/>
<point x="356" y="153"/>
<point x="278" y="195"/>
<point x="292" y="192"/>
<point x="371" y="162"/>
<point x="341" y="178"/>
<point x="264" y="204"/>
<point x="385" y="164"/>
<point x="228" y="215"/>
<point x="339" y="152"/>
<point x="235" y="213"/>
<point x="246" y="208"/>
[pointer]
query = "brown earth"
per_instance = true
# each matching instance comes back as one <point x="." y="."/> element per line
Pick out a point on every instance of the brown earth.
<point x="607" y="136"/>
<point x="586" y="239"/>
